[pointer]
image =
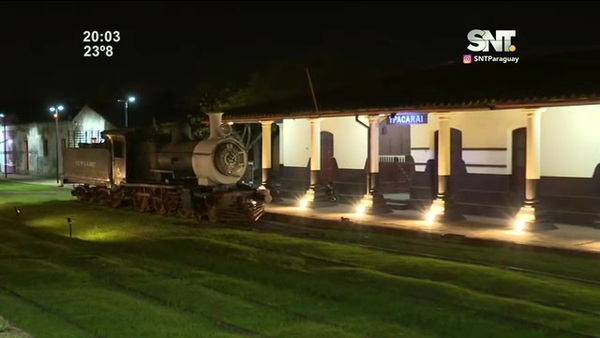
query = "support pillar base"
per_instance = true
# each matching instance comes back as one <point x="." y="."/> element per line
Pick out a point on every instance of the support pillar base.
<point x="275" y="192"/>
<point x="444" y="211"/>
<point x="314" y="198"/>
<point x="531" y="218"/>
<point x="373" y="204"/>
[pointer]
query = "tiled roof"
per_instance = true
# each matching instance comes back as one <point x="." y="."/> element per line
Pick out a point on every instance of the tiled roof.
<point x="541" y="80"/>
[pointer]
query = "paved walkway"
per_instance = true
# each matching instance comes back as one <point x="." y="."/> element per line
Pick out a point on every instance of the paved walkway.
<point x="569" y="237"/>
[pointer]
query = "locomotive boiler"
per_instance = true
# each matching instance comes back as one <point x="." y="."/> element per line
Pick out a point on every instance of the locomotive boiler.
<point x="165" y="173"/>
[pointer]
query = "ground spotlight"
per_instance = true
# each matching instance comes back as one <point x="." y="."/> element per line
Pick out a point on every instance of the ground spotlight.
<point x="70" y="227"/>
<point x="519" y="225"/>
<point x="436" y="209"/>
<point x="430" y="217"/>
<point x="303" y="203"/>
<point x="524" y="218"/>
<point x="360" y="209"/>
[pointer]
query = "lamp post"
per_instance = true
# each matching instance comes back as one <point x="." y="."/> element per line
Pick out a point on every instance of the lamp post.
<point x="129" y="99"/>
<point x="5" y="139"/>
<point x="55" y="111"/>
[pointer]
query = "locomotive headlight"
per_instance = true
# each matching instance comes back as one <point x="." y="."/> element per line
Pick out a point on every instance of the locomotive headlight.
<point x="225" y="129"/>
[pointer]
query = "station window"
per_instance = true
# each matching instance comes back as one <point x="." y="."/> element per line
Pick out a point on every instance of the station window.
<point x="118" y="150"/>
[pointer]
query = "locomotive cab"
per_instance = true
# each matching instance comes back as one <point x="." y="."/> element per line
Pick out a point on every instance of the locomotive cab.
<point x="118" y="151"/>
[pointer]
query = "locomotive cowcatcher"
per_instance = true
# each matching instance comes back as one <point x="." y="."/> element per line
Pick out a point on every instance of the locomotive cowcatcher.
<point x="156" y="172"/>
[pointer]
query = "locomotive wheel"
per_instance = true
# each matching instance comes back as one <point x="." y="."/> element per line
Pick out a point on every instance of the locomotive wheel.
<point x="81" y="194"/>
<point x="142" y="203"/>
<point x="185" y="213"/>
<point x="171" y="205"/>
<point x="103" y="197"/>
<point x="212" y="214"/>
<point x="116" y="201"/>
<point x="159" y="206"/>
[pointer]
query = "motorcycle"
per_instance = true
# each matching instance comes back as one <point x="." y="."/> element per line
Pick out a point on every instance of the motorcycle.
<point x="331" y="194"/>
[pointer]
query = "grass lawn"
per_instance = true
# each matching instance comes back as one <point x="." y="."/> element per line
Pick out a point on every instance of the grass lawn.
<point x="125" y="274"/>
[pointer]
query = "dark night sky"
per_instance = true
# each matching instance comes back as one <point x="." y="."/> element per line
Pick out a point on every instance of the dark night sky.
<point x="176" y="45"/>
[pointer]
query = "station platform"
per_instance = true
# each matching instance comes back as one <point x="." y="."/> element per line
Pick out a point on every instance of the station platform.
<point x="564" y="237"/>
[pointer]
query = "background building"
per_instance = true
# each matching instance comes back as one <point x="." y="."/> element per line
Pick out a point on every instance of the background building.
<point x="31" y="147"/>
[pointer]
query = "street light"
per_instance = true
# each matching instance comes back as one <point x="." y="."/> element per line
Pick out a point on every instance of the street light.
<point x="130" y="99"/>
<point x="4" y="139"/>
<point x="55" y="111"/>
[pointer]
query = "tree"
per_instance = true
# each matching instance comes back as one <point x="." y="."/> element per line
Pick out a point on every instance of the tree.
<point x="279" y="80"/>
<point x="287" y="78"/>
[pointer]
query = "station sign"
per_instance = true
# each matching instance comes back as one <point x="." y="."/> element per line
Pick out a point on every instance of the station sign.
<point x="408" y="118"/>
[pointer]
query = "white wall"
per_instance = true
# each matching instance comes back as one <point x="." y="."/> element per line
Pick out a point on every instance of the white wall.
<point x="349" y="141"/>
<point x="41" y="163"/>
<point x="481" y="130"/>
<point x="296" y="143"/>
<point x="570" y="141"/>
<point x="421" y="141"/>
<point x="89" y="120"/>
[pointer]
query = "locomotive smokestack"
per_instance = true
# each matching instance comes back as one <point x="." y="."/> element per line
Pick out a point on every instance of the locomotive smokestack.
<point x="215" y="121"/>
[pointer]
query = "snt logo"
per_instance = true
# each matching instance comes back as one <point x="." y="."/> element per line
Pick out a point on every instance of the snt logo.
<point x="480" y="41"/>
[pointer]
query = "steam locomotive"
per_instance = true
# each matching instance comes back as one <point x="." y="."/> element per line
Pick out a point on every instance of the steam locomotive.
<point x="153" y="171"/>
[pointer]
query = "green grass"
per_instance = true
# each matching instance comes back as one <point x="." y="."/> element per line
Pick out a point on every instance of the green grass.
<point x="14" y="187"/>
<point x="126" y="274"/>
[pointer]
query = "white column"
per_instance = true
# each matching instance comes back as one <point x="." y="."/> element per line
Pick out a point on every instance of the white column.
<point x="315" y="160"/>
<point x="374" y="144"/>
<point x="532" y="164"/>
<point x="315" y="146"/>
<point x="266" y="151"/>
<point x="444" y="145"/>
<point x="439" y="208"/>
<point x="373" y="202"/>
<point x="528" y="215"/>
<point x="444" y="153"/>
<point x="281" y="145"/>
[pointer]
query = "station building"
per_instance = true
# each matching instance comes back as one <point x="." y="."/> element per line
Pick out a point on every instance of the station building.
<point x="505" y="140"/>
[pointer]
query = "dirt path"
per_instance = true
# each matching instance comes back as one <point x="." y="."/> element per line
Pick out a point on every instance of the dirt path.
<point x="9" y="331"/>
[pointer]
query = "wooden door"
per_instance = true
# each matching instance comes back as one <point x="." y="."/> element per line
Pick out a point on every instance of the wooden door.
<point x="327" y="171"/>
<point x="519" y="158"/>
<point x="456" y="165"/>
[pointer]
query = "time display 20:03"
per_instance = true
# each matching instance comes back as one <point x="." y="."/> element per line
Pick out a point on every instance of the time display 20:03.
<point x="95" y="37"/>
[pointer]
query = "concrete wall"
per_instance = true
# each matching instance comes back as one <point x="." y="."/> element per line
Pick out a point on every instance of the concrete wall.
<point x="486" y="139"/>
<point x="570" y="141"/>
<point x="350" y="142"/>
